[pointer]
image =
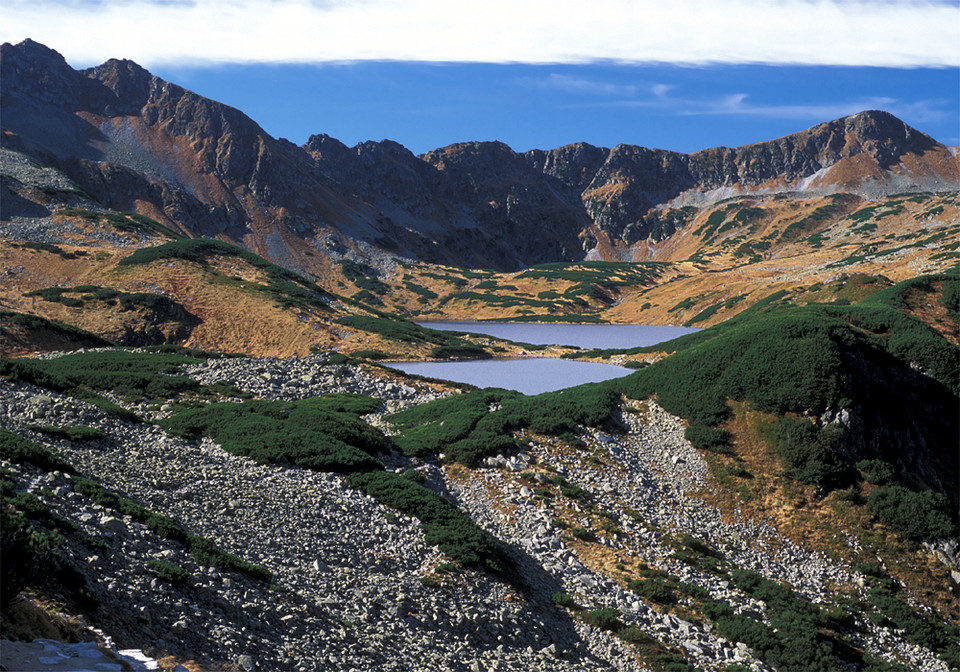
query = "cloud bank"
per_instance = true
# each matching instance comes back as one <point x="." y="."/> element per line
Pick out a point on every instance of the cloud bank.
<point x="891" y="33"/>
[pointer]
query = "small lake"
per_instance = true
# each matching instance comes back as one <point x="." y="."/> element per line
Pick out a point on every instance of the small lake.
<point x="541" y="374"/>
<point x="530" y="375"/>
<point x="620" y="336"/>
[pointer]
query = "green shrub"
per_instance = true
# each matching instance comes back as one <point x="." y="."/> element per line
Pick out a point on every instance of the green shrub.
<point x="582" y="533"/>
<point x="206" y="553"/>
<point x="371" y="354"/>
<point x="414" y="475"/>
<point x="459" y="352"/>
<point x="877" y="472"/>
<point x="812" y="453"/>
<point x="25" y="555"/>
<point x="713" y="439"/>
<point x="70" y="432"/>
<point x="653" y="590"/>
<point x="563" y="600"/>
<point x="323" y="434"/>
<point x="168" y="572"/>
<point x="604" y="619"/>
<point x="921" y="516"/>
<point x="121" y="372"/>
<point x="14" y="448"/>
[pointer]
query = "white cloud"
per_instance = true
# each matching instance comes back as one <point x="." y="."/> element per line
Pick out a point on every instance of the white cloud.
<point x="588" y="86"/>
<point x="901" y="33"/>
<point x="659" y="97"/>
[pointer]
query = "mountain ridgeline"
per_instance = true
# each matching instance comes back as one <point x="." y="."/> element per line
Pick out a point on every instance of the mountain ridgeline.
<point x="137" y="143"/>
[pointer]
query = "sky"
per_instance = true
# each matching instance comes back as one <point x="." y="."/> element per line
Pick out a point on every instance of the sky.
<point x="681" y="75"/>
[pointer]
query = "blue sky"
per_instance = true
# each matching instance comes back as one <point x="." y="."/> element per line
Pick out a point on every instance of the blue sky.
<point x="681" y="108"/>
<point x="683" y="75"/>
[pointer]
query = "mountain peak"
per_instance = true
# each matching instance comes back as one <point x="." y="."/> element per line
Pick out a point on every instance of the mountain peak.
<point x="129" y="82"/>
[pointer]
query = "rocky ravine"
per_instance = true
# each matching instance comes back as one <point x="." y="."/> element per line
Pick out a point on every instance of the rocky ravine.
<point x="348" y="593"/>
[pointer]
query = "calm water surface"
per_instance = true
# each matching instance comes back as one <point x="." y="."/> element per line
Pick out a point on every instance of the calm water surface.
<point x="536" y="375"/>
<point x="530" y="375"/>
<point x="582" y="335"/>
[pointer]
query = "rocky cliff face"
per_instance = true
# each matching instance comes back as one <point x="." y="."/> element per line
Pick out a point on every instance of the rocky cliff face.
<point x="136" y="142"/>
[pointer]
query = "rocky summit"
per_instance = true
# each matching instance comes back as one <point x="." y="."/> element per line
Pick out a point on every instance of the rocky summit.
<point x="208" y="462"/>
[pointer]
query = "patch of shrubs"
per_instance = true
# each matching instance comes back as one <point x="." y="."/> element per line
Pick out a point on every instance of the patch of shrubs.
<point x="798" y="635"/>
<point x="604" y="619"/>
<point x="362" y="276"/>
<point x="169" y="572"/>
<point x="128" y="374"/>
<point x="463" y="427"/>
<point x="372" y="354"/>
<point x="918" y="628"/>
<point x="51" y="248"/>
<point x="323" y="434"/>
<point x="14" y="448"/>
<point x="70" y="432"/>
<point x="153" y="303"/>
<point x="25" y="554"/>
<point x="812" y="453"/>
<point x="921" y="516"/>
<point x="460" y="352"/>
<point x="653" y="590"/>
<point x="400" y="330"/>
<point x="878" y="472"/>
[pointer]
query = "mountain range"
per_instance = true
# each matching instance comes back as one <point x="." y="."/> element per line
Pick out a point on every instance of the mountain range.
<point x="137" y="143"/>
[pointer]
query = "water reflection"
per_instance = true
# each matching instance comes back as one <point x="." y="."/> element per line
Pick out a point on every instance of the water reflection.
<point x="581" y="335"/>
<point x="529" y="376"/>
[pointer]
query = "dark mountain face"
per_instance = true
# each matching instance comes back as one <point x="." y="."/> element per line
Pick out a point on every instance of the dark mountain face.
<point x="135" y="141"/>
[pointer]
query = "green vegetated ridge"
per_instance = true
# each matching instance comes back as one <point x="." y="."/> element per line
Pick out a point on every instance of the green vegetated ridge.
<point x="324" y="433"/>
<point x="285" y="287"/>
<point x="123" y="221"/>
<point x="82" y="296"/>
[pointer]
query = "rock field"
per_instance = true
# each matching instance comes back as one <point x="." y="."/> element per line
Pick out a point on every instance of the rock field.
<point x="355" y="587"/>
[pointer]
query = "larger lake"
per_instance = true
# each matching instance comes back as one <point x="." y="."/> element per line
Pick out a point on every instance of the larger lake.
<point x="529" y="375"/>
<point x="537" y="375"/>
<point x="618" y="336"/>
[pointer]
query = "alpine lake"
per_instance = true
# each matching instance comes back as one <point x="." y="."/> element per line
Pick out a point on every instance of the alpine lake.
<point x="535" y="375"/>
